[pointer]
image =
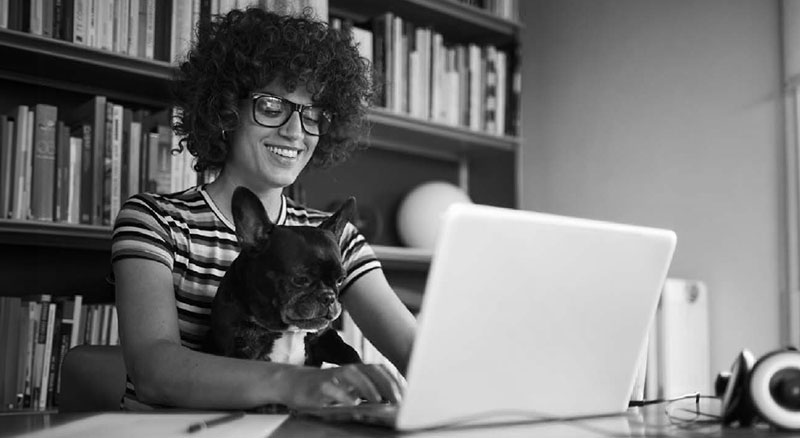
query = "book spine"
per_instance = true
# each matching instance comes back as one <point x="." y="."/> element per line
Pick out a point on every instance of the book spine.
<point x="133" y="28"/>
<point x="47" y="355"/>
<point x="7" y="149"/>
<point x="108" y="129"/>
<point x="40" y="343"/>
<point x="20" y="153"/>
<point x="47" y="17"/>
<point x="91" y="23"/>
<point x="148" y="26"/>
<point x="75" y="166"/>
<point x="86" y="193"/>
<point x="44" y="162"/>
<point x="116" y="163"/>
<point x="27" y="342"/>
<point x="80" y="17"/>
<point x="55" y="355"/>
<point x="134" y="158"/>
<point x="77" y="320"/>
<point x="61" y="209"/>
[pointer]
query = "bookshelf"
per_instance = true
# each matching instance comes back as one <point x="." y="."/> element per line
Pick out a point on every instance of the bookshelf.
<point x="63" y="259"/>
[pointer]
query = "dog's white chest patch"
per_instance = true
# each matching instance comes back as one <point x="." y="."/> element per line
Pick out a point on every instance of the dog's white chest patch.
<point x="290" y="348"/>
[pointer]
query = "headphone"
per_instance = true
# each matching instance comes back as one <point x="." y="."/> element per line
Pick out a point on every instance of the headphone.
<point x="767" y="389"/>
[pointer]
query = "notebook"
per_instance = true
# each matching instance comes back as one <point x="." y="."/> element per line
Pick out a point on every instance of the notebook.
<point x="527" y="316"/>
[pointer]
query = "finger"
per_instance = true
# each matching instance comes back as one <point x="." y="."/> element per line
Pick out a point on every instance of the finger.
<point x="385" y="382"/>
<point x="362" y="384"/>
<point x="337" y="392"/>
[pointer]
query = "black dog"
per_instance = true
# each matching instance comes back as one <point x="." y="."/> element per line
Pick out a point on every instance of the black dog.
<point x="280" y="295"/>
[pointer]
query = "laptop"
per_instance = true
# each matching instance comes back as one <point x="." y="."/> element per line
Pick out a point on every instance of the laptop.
<point x="527" y="316"/>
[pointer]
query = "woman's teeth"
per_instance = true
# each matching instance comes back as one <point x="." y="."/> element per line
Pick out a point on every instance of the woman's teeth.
<point x="283" y="152"/>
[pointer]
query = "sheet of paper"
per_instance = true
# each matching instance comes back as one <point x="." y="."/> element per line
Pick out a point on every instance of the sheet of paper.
<point x="136" y="425"/>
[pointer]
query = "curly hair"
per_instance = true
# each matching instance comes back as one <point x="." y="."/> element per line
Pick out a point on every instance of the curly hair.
<point x="242" y="52"/>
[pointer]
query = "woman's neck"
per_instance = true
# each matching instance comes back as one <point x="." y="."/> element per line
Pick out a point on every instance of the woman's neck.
<point x="221" y="192"/>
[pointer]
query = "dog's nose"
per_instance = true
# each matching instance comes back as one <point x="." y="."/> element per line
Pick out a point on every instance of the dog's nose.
<point x="327" y="299"/>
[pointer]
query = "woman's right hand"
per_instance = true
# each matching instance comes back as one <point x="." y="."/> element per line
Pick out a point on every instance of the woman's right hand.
<point x="346" y="385"/>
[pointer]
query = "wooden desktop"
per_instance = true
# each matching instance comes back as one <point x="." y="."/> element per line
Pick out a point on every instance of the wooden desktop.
<point x="684" y="420"/>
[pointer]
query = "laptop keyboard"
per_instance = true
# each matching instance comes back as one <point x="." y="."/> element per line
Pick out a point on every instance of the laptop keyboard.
<point x="382" y="414"/>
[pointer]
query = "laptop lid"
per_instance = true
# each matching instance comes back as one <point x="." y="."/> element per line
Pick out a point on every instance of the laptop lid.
<point x="528" y="315"/>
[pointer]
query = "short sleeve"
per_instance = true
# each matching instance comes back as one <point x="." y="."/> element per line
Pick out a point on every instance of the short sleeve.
<point x="358" y="257"/>
<point x="141" y="231"/>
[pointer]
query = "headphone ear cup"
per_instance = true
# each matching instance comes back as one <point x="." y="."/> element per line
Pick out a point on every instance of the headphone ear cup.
<point x="737" y="407"/>
<point x="774" y="388"/>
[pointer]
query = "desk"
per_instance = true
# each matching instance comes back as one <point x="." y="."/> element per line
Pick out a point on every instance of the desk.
<point x="650" y="421"/>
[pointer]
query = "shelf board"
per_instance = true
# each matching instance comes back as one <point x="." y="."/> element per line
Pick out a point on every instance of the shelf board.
<point x="41" y="233"/>
<point x="424" y="137"/>
<point x="456" y="21"/>
<point x="54" y="234"/>
<point x="50" y="62"/>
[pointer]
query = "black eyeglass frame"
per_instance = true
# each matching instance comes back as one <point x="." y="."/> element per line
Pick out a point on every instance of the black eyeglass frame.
<point x="299" y="108"/>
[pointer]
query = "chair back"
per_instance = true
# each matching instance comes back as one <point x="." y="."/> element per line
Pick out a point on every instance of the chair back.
<point x="92" y="379"/>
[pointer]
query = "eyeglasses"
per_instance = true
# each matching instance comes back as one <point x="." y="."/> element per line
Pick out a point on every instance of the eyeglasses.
<point x="274" y="111"/>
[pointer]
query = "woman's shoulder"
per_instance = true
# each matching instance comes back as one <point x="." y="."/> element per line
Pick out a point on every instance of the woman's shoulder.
<point x="177" y="204"/>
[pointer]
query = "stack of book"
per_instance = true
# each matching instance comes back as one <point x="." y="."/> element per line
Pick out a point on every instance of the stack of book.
<point x="35" y="333"/>
<point x="81" y="167"/>
<point x="468" y="85"/>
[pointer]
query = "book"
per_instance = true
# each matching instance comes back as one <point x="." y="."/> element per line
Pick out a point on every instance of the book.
<point x="47" y="354"/>
<point x="21" y="153"/>
<point x="115" y="187"/>
<point x="147" y="19"/>
<point x="10" y="316"/>
<point x="133" y="28"/>
<point x="91" y="115"/>
<point x="25" y="357"/>
<point x="75" y="316"/>
<point x="43" y="177"/>
<point x="7" y="158"/>
<point x="80" y="21"/>
<point x="121" y="20"/>
<point x="74" y="182"/>
<point x="56" y="355"/>
<point x="61" y="207"/>
<point x="40" y="346"/>
<point x="134" y="158"/>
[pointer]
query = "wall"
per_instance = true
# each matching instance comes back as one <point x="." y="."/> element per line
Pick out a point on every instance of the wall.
<point x="667" y="114"/>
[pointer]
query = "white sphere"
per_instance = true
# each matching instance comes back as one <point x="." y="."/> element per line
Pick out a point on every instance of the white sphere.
<point x="420" y="212"/>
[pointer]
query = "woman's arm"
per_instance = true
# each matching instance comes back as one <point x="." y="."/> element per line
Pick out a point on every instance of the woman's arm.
<point x="167" y="373"/>
<point x="164" y="371"/>
<point x="382" y="317"/>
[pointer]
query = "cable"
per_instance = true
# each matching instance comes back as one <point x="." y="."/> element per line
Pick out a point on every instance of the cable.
<point x="639" y="403"/>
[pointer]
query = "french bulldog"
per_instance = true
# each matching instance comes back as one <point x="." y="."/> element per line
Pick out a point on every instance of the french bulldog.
<point x="279" y="297"/>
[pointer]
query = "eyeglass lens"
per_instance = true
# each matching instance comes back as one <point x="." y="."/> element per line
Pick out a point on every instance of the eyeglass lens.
<point x="274" y="111"/>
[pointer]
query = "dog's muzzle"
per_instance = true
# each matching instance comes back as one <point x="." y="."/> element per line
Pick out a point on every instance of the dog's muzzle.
<point x="312" y="310"/>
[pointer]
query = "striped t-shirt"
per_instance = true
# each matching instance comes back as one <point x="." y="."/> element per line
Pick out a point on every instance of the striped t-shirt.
<point x="186" y="232"/>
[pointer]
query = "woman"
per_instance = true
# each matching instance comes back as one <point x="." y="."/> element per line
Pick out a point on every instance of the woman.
<point x="262" y="96"/>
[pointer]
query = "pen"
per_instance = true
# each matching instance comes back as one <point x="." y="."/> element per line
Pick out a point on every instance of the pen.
<point x="200" y="425"/>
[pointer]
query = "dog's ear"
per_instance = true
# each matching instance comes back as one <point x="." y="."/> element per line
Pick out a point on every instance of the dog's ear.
<point x="250" y="218"/>
<point x="336" y="222"/>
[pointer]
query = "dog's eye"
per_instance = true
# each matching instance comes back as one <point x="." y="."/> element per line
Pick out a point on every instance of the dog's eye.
<point x="340" y="280"/>
<point x="301" y="280"/>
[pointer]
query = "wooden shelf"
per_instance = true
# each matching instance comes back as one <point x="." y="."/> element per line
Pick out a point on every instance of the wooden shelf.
<point x="54" y="63"/>
<point x="423" y="137"/>
<point x="456" y="21"/>
<point x="53" y="234"/>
